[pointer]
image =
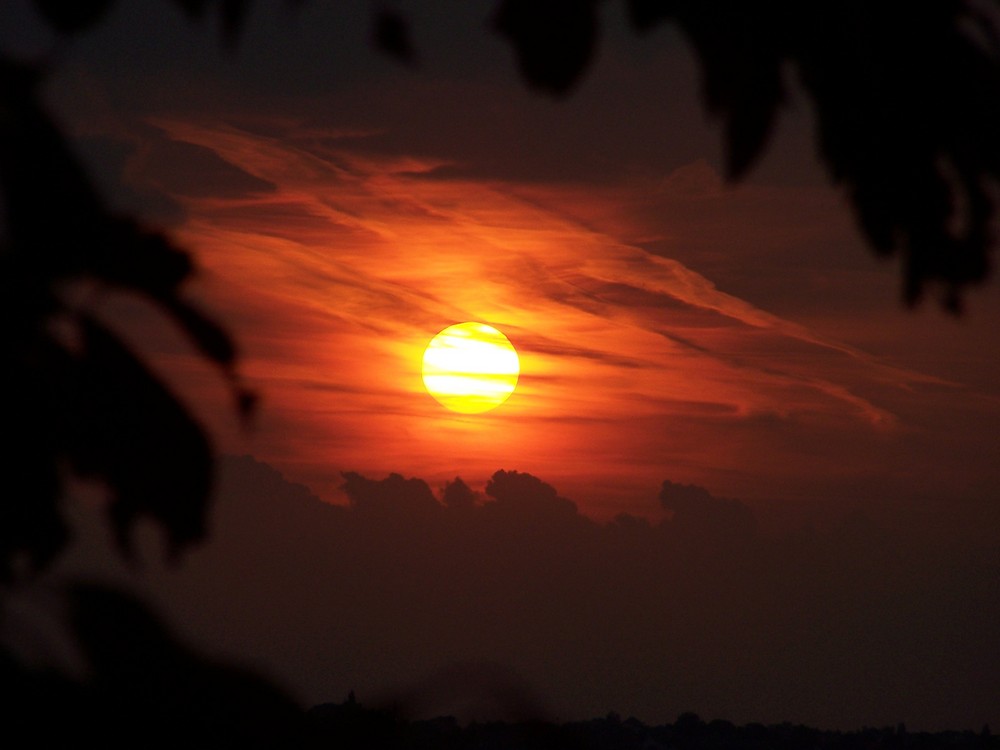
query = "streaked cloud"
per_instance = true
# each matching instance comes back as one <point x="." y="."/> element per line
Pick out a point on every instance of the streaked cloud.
<point x="633" y="364"/>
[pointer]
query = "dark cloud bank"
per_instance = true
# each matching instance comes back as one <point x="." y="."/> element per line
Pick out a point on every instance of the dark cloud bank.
<point x="475" y="605"/>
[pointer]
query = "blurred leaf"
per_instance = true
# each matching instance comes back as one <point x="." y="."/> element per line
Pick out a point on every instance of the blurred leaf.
<point x="907" y="103"/>
<point x="748" y="129"/>
<point x="32" y="529"/>
<point x="554" y="39"/>
<point x="234" y="14"/>
<point x="71" y="16"/>
<point x="908" y="109"/>
<point x="139" y="260"/>
<point x="51" y="204"/>
<point x="741" y="47"/>
<point x="138" y="686"/>
<point x="392" y="36"/>
<point x="149" y="675"/>
<point x="216" y="345"/>
<point x="124" y="426"/>
<point x="209" y="337"/>
<point x="86" y="403"/>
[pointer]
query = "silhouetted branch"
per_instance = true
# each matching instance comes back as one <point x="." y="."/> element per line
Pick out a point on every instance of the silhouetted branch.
<point x="81" y="402"/>
<point x="907" y="98"/>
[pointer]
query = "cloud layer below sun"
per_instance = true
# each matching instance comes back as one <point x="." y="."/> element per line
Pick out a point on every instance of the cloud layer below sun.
<point x="335" y="266"/>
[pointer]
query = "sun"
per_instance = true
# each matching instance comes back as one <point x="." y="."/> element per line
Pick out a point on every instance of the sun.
<point x="470" y="368"/>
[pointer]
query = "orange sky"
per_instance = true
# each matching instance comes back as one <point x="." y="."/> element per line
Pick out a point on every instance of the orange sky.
<point x="670" y="326"/>
<point x="340" y="266"/>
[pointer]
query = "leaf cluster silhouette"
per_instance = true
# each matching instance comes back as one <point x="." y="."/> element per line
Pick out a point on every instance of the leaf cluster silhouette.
<point x="143" y="687"/>
<point x="906" y="98"/>
<point x="80" y="401"/>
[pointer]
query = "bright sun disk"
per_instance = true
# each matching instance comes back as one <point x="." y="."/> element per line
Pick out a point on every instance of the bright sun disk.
<point x="470" y="368"/>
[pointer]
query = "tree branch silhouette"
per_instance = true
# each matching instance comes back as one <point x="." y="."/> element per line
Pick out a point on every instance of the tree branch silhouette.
<point x="80" y="402"/>
<point x="906" y="97"/>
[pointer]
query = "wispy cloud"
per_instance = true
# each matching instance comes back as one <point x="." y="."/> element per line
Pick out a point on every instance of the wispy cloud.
<point x="632" y="363"/>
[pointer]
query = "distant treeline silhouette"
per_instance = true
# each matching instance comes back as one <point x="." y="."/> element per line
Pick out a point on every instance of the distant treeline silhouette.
<point x="350" y="725"/>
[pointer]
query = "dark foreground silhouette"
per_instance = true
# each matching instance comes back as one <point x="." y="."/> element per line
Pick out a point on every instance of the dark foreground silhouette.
<point x="123" y="680"/>
<point x="146" y="690"/>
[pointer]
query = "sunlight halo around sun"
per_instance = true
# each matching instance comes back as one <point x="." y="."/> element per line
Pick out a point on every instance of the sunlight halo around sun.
<point x="470" y="368"/>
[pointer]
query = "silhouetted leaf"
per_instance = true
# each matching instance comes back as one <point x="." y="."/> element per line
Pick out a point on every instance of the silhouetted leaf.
<point x="32" y="528"/>
<point x="554" y="39"/>
<point x="41" y="179"/>
<point x="392" y="36"/>
<point x="71" y="16"/>
<point x="128" y="429"/>
<point x="234" y="13"/>
<point x="51" y="205"/>
<point x="906" y="97"/>
<point x="216" y="345"/>
<point x="86" y="403"/>
<point x="131" y="652"/>
<point x="908" y="107"/>
<point x="141" y="687"/>
<point x="741" y="47"/>
<point x="213" y="342"/>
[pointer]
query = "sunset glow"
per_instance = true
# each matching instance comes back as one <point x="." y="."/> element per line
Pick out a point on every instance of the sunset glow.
<point x="575" y="401"/>
<point x="358" y="258"/>
<point x="470" y="368"/>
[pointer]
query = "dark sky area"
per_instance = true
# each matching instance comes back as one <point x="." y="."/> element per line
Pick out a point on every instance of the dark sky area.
<point x="825" y="548"/>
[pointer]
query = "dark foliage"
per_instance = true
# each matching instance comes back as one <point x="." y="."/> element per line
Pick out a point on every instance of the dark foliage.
<point x="139" y="687"/>
<point x="74" y="16"/>
<point x="554" y="40"/>
<point x="906" y="96"/>
<point x="392" y="36"/>
<point x="80" y="401"/>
